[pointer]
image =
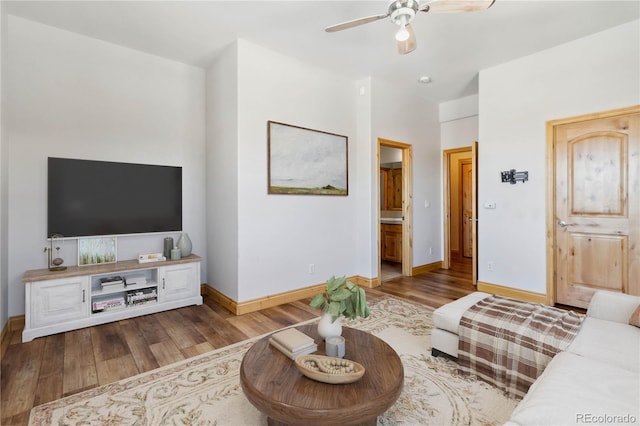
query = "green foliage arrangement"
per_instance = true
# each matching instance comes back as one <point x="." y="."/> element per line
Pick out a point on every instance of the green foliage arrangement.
<point x="342" y="297"/>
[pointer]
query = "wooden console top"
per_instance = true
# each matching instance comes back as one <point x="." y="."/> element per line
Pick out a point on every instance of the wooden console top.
<point x="104" y="268"/>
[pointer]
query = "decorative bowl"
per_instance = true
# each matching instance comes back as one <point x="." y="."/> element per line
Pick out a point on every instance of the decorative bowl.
<point x="329" y="369"/>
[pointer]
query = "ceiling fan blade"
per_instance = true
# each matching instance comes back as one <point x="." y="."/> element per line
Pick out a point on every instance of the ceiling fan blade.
<point x="410" y="44"/>
<point x="355" y="23"/>
<point x="446" y="6"/>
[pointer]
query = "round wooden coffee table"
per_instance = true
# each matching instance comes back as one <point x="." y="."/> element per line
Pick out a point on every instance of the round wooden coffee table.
<point x="274" y="385"/>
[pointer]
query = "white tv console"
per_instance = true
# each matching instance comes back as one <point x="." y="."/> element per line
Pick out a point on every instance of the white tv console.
<point x="57" y="301"/>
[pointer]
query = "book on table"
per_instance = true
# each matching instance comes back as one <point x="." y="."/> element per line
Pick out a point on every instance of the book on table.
<point x="293" y="355"/>
<point x="292" y="339"/>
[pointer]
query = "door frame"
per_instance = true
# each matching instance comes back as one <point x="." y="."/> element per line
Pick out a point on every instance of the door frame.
<point x="551" y="188"/>
<point x="446" y="227"/>
<point x="461" y="164"/>
<point x="407" y="205"/>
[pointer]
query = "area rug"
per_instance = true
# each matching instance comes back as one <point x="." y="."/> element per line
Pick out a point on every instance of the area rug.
<point x="205" y="390"/>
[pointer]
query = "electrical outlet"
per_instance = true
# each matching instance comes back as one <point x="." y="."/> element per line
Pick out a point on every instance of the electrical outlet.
<point x="312" y="269"/>
<point x="430" y="250"/>
<point x="491" y="265"/>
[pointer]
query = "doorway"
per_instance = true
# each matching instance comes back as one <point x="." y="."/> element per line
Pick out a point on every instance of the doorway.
<point x="460" y="210"/>
<point x="395" y="222"/>
<point x="593" y="219"/>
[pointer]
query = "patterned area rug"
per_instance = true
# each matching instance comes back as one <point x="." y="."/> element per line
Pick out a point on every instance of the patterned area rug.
<point x="205" y="390"/>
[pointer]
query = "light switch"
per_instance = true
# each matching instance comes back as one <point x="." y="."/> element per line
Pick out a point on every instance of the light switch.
<point x="490" y="205"/>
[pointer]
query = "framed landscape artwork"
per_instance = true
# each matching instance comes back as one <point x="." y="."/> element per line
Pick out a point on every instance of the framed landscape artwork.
<point x="306" y="161"/>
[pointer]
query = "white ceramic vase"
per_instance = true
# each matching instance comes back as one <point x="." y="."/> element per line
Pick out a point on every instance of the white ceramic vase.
<point x="184" y="244"/>
<point x="327" y="327"/>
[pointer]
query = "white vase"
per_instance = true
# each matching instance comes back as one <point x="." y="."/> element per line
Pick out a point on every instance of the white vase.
<point x="327" y="327"/>
<point x="184" y="244"/>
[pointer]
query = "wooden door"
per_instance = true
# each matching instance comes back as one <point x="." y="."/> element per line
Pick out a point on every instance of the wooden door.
<point x="396" y="189"/>
<point x="597" y="206"/>
<point x="404" y="186"/>
<point x="448" y="219"/>
<point x="466" y="170"/>
<point x="391" y="242"/>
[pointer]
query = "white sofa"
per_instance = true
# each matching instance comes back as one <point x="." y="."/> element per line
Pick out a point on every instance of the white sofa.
<point x="596" y="380"/>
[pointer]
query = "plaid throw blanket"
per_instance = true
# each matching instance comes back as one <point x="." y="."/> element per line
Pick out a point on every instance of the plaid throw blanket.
<point x="508" y="343"/>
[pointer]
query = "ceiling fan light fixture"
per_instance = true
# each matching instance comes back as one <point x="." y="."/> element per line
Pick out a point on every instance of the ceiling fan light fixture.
<point x="402" y="34"/>
<point x="403" y="14"/>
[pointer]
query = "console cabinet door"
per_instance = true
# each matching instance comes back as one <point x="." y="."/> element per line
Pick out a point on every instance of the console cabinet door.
<point x="58" y="301"/>
<point x="179" y="282"/>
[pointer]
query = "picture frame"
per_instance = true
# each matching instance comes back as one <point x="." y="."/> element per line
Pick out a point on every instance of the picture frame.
<point x="95" y="251"/>
<point x="304" y="161"/>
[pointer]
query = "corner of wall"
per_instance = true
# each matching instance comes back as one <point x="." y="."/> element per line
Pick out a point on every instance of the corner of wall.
<point x="222" y="171"/>
<point x="4" y="226"/>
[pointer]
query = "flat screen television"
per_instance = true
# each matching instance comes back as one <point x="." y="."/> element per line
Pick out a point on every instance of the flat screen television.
<point x="94" y="198"/>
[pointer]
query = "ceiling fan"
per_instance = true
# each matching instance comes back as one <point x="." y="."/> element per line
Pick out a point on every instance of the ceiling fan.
<point x="402" y="13"/>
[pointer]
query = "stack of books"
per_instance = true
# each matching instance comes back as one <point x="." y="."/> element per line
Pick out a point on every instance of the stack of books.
<point x="293" y="343"/>
<point x="142" y="297"/>
<point x="109" y="304"/>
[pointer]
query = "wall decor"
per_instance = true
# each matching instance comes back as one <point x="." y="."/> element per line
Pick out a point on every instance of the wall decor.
<point x="93" y="251"/>
<point x="306" y="162"/>
<point x="512" y="176"/>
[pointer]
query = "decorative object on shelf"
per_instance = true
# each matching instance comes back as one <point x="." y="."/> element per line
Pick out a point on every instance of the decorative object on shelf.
<point x="151" y="257"/>
<point x="512" y="176"/>
<point x="341" y="297"/>
<point x="175" y="253"/>
<point x="328" y="369"/>
<point x="94" y="251"/>
<point x="335" y="346"/>
<point x="168" y="246"/>
<point x="303" y="161"/>
<point x="184" y="244"/>
<point x="55" y="260"/>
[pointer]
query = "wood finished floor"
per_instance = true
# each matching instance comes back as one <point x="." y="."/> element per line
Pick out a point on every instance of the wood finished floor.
<point x="51" y="367"/>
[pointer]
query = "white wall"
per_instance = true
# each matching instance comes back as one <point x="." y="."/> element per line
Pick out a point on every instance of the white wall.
<point x="280" y="235"/>
<point x="459" y="122"/>
<point x="367" y="202"/>
<point x="222" y="172"/>
<point x="4" y="224"/>
<point x="400" y="115"/>
<point x="592" y="74"/>
<point x="73" y="96"/>
<point x="390" y="154"/>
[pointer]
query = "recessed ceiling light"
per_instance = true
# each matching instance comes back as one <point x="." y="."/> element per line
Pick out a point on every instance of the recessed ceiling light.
<point x="425" y="79"/>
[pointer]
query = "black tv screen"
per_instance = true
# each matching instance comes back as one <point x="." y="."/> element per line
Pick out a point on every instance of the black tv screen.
<point x="92" y="198"/>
